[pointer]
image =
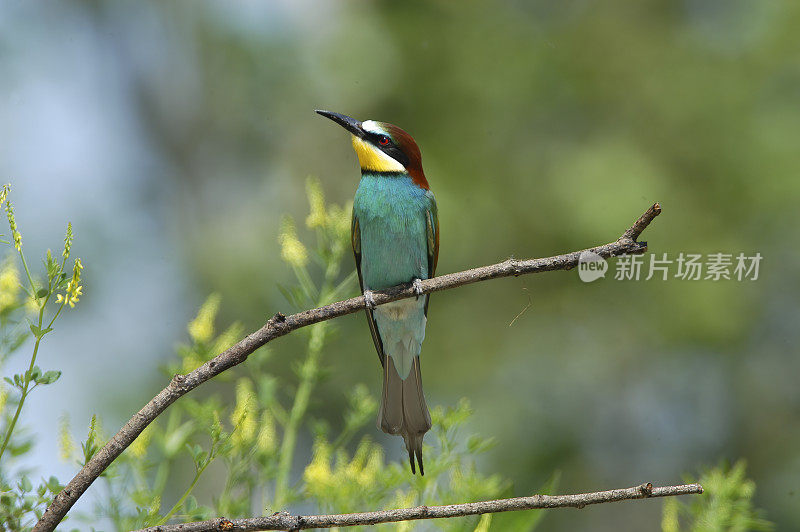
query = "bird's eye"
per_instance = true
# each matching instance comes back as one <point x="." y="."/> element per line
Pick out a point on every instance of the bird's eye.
<point x="383" y="140"/>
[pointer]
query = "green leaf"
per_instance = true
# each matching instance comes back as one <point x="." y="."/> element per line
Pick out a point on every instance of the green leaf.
<point x="177" y="438"/>
<point x="196" y="451"/>
<point x="142" y="497"/>
<point x="25" y="484"/>
<point x="49" y="377"/>
<point x="37" y="332"/>
<point x="477" y="444"/>
<point x="42" y="292"/>
<point x="190" y="504"/>
<point x="200" y="459"/>
<point x="726" y="503"/>
<point x="20" y="448"/>
<point x="54" y="485"/>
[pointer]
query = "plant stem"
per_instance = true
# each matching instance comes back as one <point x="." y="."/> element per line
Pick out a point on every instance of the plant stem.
<point x="188" y="491"/>
<point x="309" y="372"/>
<point x="26" y="383"/>
<point x="27" y="377"/>
<point x="30" y="279"/>
<point x="308" y="375"/>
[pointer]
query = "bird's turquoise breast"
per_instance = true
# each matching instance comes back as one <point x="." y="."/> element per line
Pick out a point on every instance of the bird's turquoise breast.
<point x="391" y="212"/>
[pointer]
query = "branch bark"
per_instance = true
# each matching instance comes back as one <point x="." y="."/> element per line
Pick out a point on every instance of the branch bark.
<point x="284" y="521"/>
<point x="280" y="325"/>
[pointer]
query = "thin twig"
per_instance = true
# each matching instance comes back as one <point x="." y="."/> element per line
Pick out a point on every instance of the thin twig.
<point x="525" y="308"/>
<point x="285" y="521"/>
<point x="280" y="325"/>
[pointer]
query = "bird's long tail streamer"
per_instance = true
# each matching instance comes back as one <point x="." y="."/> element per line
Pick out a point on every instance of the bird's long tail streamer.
<point x="403" y="409"/>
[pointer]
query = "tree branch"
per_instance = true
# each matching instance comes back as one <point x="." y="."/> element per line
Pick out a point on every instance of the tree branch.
<point x="284" y="521"/>
<point x="280" y="325"/>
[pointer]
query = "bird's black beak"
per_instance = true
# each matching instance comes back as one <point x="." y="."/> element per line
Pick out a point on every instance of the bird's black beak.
<point x="350" y="124"/>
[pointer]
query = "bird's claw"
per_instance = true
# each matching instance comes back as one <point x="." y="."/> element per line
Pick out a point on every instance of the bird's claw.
<point x="369" y="300"/>
<point x="417" y="286"/>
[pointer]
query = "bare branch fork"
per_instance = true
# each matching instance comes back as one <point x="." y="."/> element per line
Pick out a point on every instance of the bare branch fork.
<point x="284" y="521"/>
<point x="280" y="325"/>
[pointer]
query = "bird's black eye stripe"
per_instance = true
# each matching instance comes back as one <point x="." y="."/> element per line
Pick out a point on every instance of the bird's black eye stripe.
<point x="387" y="145"/>
<point x="382" y="140"/>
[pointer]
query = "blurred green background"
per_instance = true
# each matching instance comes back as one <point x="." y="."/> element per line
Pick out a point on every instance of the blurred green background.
<point x="175" y="135"/>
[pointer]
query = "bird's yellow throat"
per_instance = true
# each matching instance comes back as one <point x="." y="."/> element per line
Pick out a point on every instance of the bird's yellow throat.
<point x="372" y="159"/>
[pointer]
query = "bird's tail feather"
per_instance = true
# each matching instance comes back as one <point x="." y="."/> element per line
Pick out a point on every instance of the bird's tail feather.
<point x="403" y="409"/>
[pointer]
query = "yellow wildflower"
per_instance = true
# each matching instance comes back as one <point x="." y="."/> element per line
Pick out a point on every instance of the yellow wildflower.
<point x="243" y="417"/>
<point x="201" y="329"/>
<point x="316" y="201"/>
<point x="67" y="241"/>
<point x="293" y="251"/>
<point x="339" y="219"/>
<point x="405" y="500"/>
<point x="9" y="286"/>
<point x="669" y="516"/>
<point x="318" y="475"/>
<point x="74" y="288"/>
<point x="191" y="361"/>
<point x="31" y="305"/>
<point x="3" y="397"/>
<point x="76" y="271"/>
<point x="266" y="441"/>
<point x="72" y="295"/>
<point x="372" y="467"/>
<point x="139" y="446"/>
<point x="229" y="337"/>
<point x="96" y="430"/>
<point x="155" y="506"/>
<point x="12" y="222"/>
<point x="484" y="523"/>
<point x="66" y="444"/>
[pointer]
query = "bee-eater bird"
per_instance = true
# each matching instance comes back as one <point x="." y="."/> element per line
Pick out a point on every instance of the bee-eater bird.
<point x="395" y="237"/>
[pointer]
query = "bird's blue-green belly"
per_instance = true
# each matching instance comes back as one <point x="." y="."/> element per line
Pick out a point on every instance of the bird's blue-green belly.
<point x="391" y="257"/>
<point x="392" y="217"/>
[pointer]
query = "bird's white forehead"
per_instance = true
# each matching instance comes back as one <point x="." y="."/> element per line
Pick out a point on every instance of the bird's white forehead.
<point x="371" y="126"/>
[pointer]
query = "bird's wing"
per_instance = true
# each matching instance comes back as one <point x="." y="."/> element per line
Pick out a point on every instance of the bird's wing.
<point x="355" y="238"/>
<point x="432" y="233"/>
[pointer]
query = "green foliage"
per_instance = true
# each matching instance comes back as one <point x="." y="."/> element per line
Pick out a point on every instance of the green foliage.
<point x="20" y="502"/>
<point x="725" y="506"/>
<point x="230" y="452"/>
<point x="250" y="439"/>
<point x="28" y="311"/>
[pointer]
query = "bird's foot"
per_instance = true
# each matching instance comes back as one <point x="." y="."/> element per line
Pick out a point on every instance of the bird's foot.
<point x="417" y="286"/>
<point x="369" y="300"/>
